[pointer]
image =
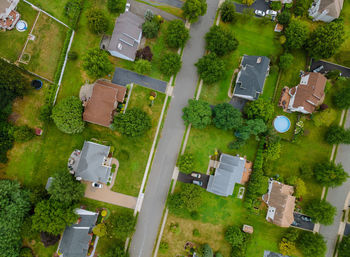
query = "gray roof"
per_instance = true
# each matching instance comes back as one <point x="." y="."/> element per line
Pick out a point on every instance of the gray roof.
<point x="75" y="239"/>
<point x="272" y="254"/>
<point x="229" y="172"/>
<point x="90" y="163"/>
<point x="251" y="79"/>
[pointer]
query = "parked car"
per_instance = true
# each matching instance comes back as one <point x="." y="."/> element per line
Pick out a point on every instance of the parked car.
<point x="259" y="13"/>
<point x="305" y="218"/>
<point x="196" y="175"/>
<point x="127" y="7"/>
<point x="196" y="182"/>
<point x="295" y="224"/>
<point x="318" y="69"/>
<point x="96" y="185"/>
<point x="271" y="12"/>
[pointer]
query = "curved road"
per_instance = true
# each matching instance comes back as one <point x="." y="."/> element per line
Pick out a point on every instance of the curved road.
<point x="159" y="180"/>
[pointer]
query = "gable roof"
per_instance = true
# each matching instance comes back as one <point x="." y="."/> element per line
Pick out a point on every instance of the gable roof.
<point x="333" y="7"/>
<point x="229" y="172"/>
<point x="99" y="108"/>
<point x="90" y="166"/>
<point x="251" y="79"/>
<point x="76" y="238"/>
<point x="281" y="204"/>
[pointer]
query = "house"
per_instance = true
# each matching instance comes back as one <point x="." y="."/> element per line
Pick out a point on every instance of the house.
<point x="100" y="101"/>
<point x="76" y="239"/>
<point x="326" y="10"/>
<point x="8" y="15"/>
<point x="92" y="163"/>
<point x="231" y="170"/>
<point x="126" y="37"/>
<point x="251" y="78"/>
<point x="281" y="203"/>
<point x="306" y="96"/>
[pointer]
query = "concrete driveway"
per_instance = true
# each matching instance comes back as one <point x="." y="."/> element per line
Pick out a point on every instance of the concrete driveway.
<point x="257" y="5"/>
<point x="328" y="66"/>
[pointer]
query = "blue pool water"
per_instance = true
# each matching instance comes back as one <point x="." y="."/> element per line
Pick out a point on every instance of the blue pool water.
<point x="281" y="124"/>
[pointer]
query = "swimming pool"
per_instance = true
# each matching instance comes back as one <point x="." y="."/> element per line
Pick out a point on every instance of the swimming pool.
<point x="281" y="124"/>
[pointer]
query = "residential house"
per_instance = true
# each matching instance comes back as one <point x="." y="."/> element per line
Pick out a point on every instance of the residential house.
<point x="306" y="96"/>
<point x="281" y="204"/>
<point x="231" y="170"/>
<point x="76" y="239"/>
<point x="8" y="15"/>
<point x="100" y="101"/>
<point x="326" y="10"/>
<point x="126" y="37"/>
<point x="251" y="77"/>
<point x="92" y="163"/>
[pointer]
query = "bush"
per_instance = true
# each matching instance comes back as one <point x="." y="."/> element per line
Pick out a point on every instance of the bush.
<point x="176" y="34"/>
<point x="227" y="117"/>
<point x="218" y="254"/>
<point x="312" y="245"/>
<point x="116" y="6"/>
<point x="72" y="11"/>
<point x="97" y="21"/>
<point x="330" y="174"/>
<point x="220" y="41"/>
<point x="228" y="11"/>
<point x="286" y="61"/>
<point x="142" y="66"/>
<point x="248" y="2"/>
<point x="335" y="135"/>
<point x="150" y="29"/>
<point x="324" y="118"/>
<point x="210" y="68"/>
<point x="198" y="113"/>
<point x="196" y="233"/>
<point x="234" y="236"/>
<point x="206" y="251"/>
<point x="185" y="163"/>
<point x="96" y="63"/>
<point x="23" y="134"/>
<point x="189" y="198"/>
<point x="341" y="98"/>
<point x="100" y="230"/>
<point x="284" y="18"/>
<point x="163" y="247"/>
<point x="192" y="9"/>
<point x="170" y="64"/>
<point x="195" y="215"/>
<point x="144" y="53"/>
<point x="276" y="5"/>
<point x="26" y="252"/>
<point x="121" y="226"/>
<point x="344" y="247"/>
<point x="333" y="74"/>
<point x="72" y="55"/>
<point x="321" y="211"/>
<point x="148" y="15"/>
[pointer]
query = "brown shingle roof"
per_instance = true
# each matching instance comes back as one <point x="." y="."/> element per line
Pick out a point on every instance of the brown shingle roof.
<point x="332" y="6"/>
<point x="99" y="108"/>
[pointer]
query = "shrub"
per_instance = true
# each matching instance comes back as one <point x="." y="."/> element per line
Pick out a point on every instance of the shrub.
<point x="228" y="11"/>
<point x="150" y="29"/>
<point x="192" y="9"/>
<point x="185" y="163"/>
<point x="333" y="74"/>
<point x="248" y="2"/>
<point x="72" y="55"/>
<point x="72" y="11"/>
<point x="312" y="245"/>
<point x="220" y="41"/>
<point x="284" y="18"/>
<point x="330" y="174"/>
<point x="23" y="134"/>
<point x="121" y="226"/>
<point x="341" y="98"/>
<point x="144" y="53"/>
<point x="116" y="6"/>
<point x="96" y="63"/>
<point x="176" y="34"/>
<point x="286" y="61"/>
<point x="234" y="236"/>
<point x="210" y="68"/>
<point x="218" y="254"/>
<point x="26" y="252"/>
<point x="195" y="215"/>
<point x="335" y="135"/>
<point x="148" y="15"/>
<point x="142" y="66"/>
<point x="170" y="64"/>
<point x="97" y="21"/>
<point x="320" y="211"/>
<point x="260" y="109"/>
<point x="344" y="247"/>
<point x="227" y="117"/>
<point x="196" y="233"/>
<point x="189" y="198"/>
<point x="100" y="230"/>
<point x="206" y="251"/>
<point x="163" y="247"/>
<point x="276" y="5"/>
<point x="198" y="113"/>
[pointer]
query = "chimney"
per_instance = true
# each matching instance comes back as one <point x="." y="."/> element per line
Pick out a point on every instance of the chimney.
<point x="120" y="46"/>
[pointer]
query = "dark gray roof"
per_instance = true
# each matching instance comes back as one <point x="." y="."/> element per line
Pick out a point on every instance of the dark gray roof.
<point x="251" y="79"/>
<point x="229" y="172"/>
<point x="90" y="164"/>
<point x="272" y="254"/>
<point x="75" y="239"/>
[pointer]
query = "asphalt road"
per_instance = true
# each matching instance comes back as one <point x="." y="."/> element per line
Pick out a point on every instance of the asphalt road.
<point x="337" y="196"/>
<point x="159" y="180"/>
<point x="327" y="66"/>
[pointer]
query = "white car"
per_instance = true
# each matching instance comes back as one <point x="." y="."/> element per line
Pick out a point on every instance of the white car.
<point x="196" y="175"/>
<point x="259" y="13"/>
<point x="271" y="12"/>
<point x="127" y="7"/>
<point x="196" y="182"/>
<point x="96" y="185"/>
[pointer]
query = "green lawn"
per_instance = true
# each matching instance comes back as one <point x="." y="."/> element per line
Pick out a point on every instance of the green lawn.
<point x="12" y="42"/>
<point x="53" y="7"/>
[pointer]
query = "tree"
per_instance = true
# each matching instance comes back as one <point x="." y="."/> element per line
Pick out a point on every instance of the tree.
<point x="198" y="113"/>
<point x="192" y="9"/>
<point x="284" y="18"/>
<point x="273" y="149"/>
<point x="14" y="206"/>
<point x="206" y="251"/>
<point x="67" y="115"/>
<point x="100" y="230"/>
<point x="116" y="252"/>
<point x="122" y="226"/>
<point x="228" y="11"/>
<point x="341" y="98"/>
<point x="287" y="247"/>
<point x="326" y="39"/>
<point x="116" y="6"/>
<point x="26" y="252"/>
<point x="142" y="66"/>
<point x="52" y="217"/>
<point x="23" y="133"/>
<point x="170" y="64"/>
<point x="325" y="117"/>
<point x="188" y="198"/>
<point x="220" y="41"/>
<point x="320" y="211"/>
<point x="260" y="109"/>
<point x="234" y="236"/>
<point x="6" y="140"/>
<point x="176" y="34"/>
<point x="210" y="68"/>
<point x="252" y="127"/>
<point x="296" y="34"/>
<point x="97" y="21"/>
<point x="66" y="189"/>
<point x="149" y="16"/>
<point x="150" y="29"/>
<point x="312" y="245"/>
<point x="276" y="5"/>
<point x="286" y="61"/>
<point x="144" y="53"/>
<point x="134" y="122"/>
<point x="335" y="135"/>
<point x="344" y="247"/>
<point x="227" y="117"/>
<point x="96" y="63"/>
<point x="185" y="163"/>
<point x="248" y="2"/>
<point x="330" y="174"/>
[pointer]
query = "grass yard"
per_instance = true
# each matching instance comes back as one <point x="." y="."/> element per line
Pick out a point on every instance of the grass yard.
<point x="53" y="7"/>
<point x="45" y="50"/>
<point x="167" y="8"/>
<point x="12" y="42"/>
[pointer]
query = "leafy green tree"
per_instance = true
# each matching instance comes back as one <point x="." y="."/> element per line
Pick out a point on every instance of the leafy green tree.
<point x="52" y="217"/>
<point x="251" y="127"/>
<point x="220" y="41"/>
<point x="198" y="113"/>
<point x="26" y="252"/>
<point x="170" y="64"/>
<point x="100" y="230"/>
<point x="150" y="29"/>
<point x="210" y="68"/>
<point x="321" y="211"/>
<point x="116" y="6"/>
<point x="344" y="247"/>
<point x="284" y="18"/>
<point x="330" y="174"/>
<point x="296" y="34"/>
<point x="14" y="207"/>
<point x="227" y="117"/>
<point x="276" y="5"/>
<point x="116" y="252"/>
<point x="142" y="66"/>
<point x="176" y="34"/>
<point x="287" y="247"/>
<point x="341" y="98"/>
<point x="134" y="122"/>
<point x="192" y="9"/>
<point x="324" y="118"/>
<point x="97" y="21"/>
<point x="66" y="189"/>
<point x="122" y="226"/>
<point x="67" y="115"/>
<point x="286" y="61"/>
<point x="206" y="251"/>
<point x="6" y="140"/>
<point x="312" y="245"/>
<point x="185" y="163"/>
<point x="228" y="11"/>
<point x="335" y="135"/>
<point x="96" y="63"/>
<point x="234" y="236"/>
<point x="248" y="2"/>
<point x="326" y="39"/>
<point x="260" y="109"/>
<point x="188" y="198"/>
<point x="23" y="133"/>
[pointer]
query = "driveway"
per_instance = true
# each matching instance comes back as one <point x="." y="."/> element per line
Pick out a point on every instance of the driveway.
<point x="347" y="229"/>
<point x="328" y="66"/>
<point x="141" y="8"/>
<point x="300" y="223"/>
<point x="258" y="5"/>
<point x="238" y="102"/>
<point x="187" y="178"/>
<point x="123" y="77"/>
<point x="165" y="157"/>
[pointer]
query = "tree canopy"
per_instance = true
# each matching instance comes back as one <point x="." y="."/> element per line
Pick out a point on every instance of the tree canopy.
<point x="170" y="64"/>
<point x="116" y="252"/>
<point x="260" y="109"/>
<point x="220" y="41"/>
<point x="227" y="117"/>
<point x="296" y="34"/>
<point x="122" y="225"/>
<point x="142" y="66"/>
<point x="234" y="236"/>
<point x="330" y="174"/>
<point x="192" y="9"/>
<point x="284" y="18"/>
<point x="116" y="6"/>
<point x="312" y="245"/>
<point x="97" y="21"/>
<point x="321" y="211"/>
<point x="198" y="113"/>
<point x="341" y="98"/>
<point x="251" y="127"/>
<point x="150" y="29"/>
<point x="96" y="63"/>
<point x="228" y="11"/>
<point x="185" y="163"/>
<point x="210" y="68"/>
<point x="344" y="247"/>
<point x="176" y="34"/>
<point x="188" y="198"/>
<point x="68" y="115"/>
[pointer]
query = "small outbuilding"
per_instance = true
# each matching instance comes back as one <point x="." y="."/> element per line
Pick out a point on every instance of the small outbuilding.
<point x="248" y="229"/>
